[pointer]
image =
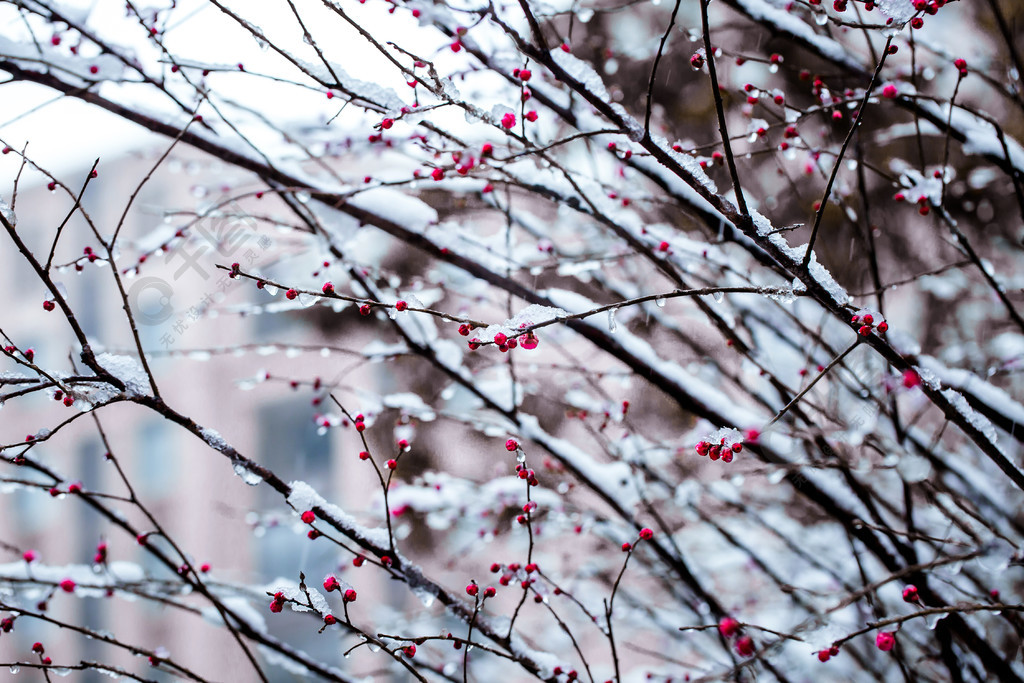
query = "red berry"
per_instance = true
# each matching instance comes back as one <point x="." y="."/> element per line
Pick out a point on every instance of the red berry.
<point x="745" y="646"/>
<point x="67" y="585"/>
<point x="626" y="547"/>
<point x="331" y="584"/>
<point x="291" y="294"/>
<point x="508" y="121"/>
<point x="472" y="589"/>
<point x="511" y="445"/>
<point x="328" y="288"/>
<point x="308" y="517"/>
<point x="489" y="592"/>
<point x="728" y="627"/>
<point x="329" y="619"/>
<point x="392" y="464"/>
<point x="885" y="640"/>
<point x="910" y="594"/>
<point x="646" y="534"/>
<point x="48" y="305"/>
<point x="401" y="305"/>
<point x="350" y="595"/>
<point x="364" y="309"/>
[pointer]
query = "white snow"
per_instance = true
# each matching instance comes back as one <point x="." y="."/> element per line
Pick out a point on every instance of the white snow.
<point x="128" y="370"/>
<point x="977" y="420"/>
<point x="398" y="207"/>
<point x="964" y="380"/>
<point x="901" y="11"/>
<point x="8" y="213"/>
<point x="304" y="497"/>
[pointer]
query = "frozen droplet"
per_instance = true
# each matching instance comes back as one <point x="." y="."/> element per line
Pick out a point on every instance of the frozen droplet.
<point x="306" y="299"/>
<point x="15" y="668"/>
<point x="612" y="325"/>
<point x="660" y="302"/>
<point x="585" y="14"/>
<point x="325" y="352"/>
<point x="199" y="355"/>
<point x="932" y="620"/>
<point x="270" y="289"/>
<point x="303" y="196"/>
<point x="426" y="597"/>
<point x="774" y="68"/>
<point x="820" y="18"/>
<point x="718" y="296"/>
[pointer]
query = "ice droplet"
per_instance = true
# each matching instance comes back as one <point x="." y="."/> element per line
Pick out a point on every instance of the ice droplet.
<point x="247" y="475"/>
<point x="306" y="299"/>
<point x="270" y="289"/>
<point x="425" y="596"/>
<point x="15" y="669"/>
<point x="774" y="68"/>
<point x="820" y="18"/>
<point x="660" y="302"/>
<point x="932" y="620"/>
<point x="718" y="296"/>
<point x="303" y="196"/>
<point x="585" y="14"/>
<point x="612" y="325"/>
